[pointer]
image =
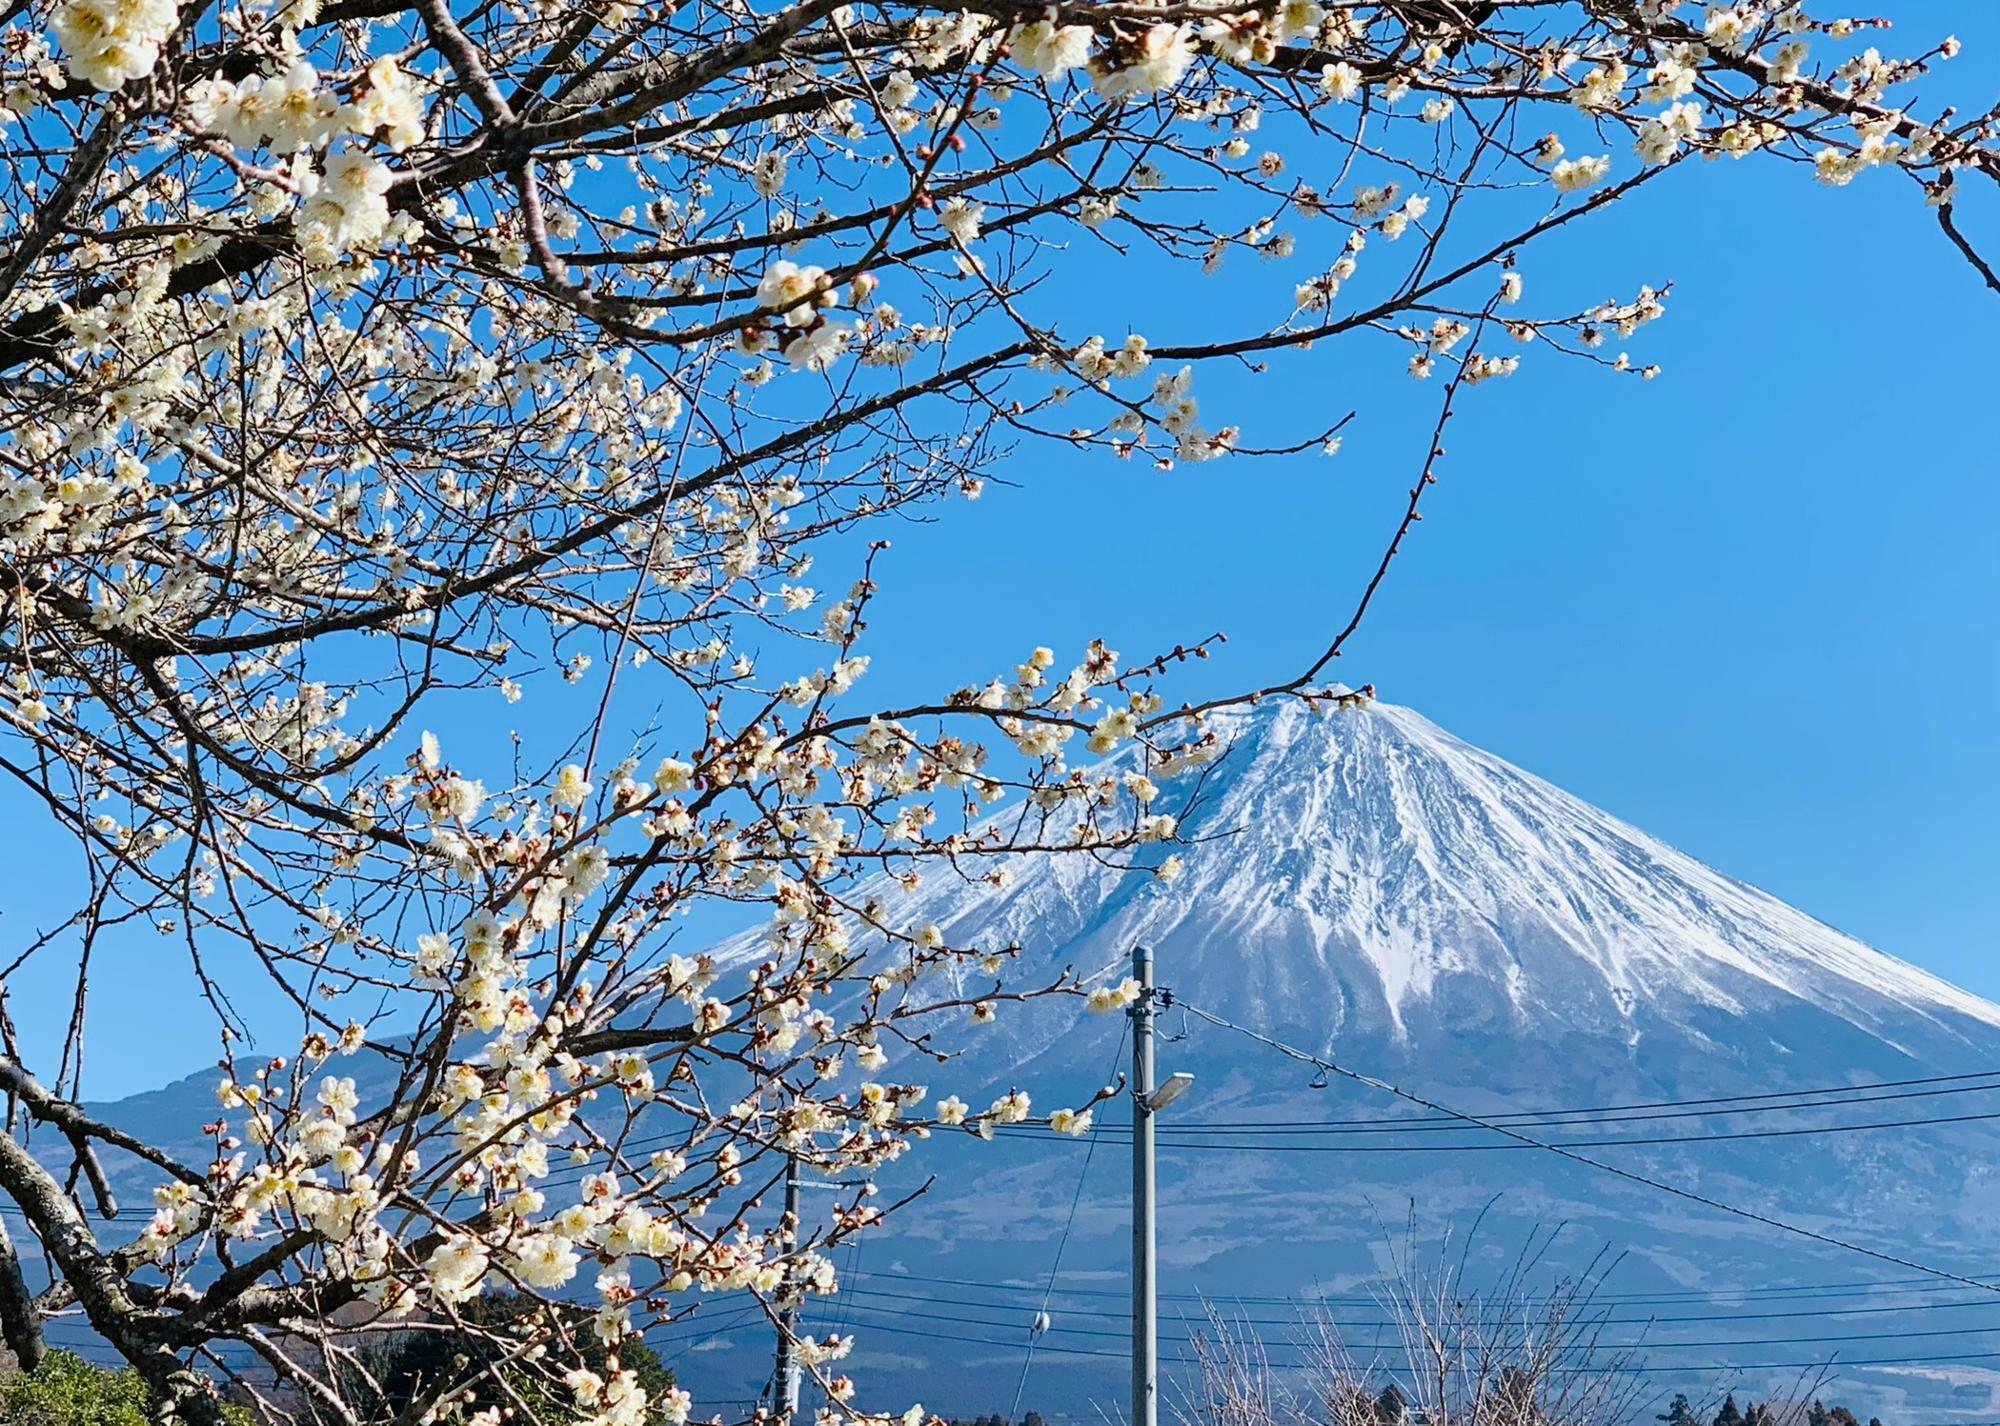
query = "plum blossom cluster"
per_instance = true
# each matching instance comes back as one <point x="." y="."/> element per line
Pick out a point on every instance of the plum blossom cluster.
<point x="106" y="43"/>
<point x="520" y="1092"/>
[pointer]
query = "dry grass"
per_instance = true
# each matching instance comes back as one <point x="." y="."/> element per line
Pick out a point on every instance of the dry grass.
<point x="1519" y="1351"/>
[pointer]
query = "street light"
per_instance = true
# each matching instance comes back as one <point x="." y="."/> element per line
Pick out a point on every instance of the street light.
<point x="1176" y="1085"/>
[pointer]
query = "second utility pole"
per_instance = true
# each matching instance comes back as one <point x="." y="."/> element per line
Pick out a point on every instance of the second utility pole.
<point x="1145" y="1318"/>
<point x="785" y="1376"/>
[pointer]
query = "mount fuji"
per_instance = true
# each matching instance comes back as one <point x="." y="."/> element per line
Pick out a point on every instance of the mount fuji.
<point x="1366" y="887"/>
<point x="1362" y="879"/>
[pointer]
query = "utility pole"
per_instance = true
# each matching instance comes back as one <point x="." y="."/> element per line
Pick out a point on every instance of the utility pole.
<point x="785" y="1376"/>
<point x="1145" y="1315"/>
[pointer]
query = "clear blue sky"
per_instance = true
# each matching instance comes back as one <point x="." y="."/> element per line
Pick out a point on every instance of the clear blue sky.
<point x="1751" y="606"/>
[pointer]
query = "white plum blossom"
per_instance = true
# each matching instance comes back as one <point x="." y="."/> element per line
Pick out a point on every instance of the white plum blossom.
<point x="572" y="788"/>
<point x="347" y="208"/>
<point x="1727" y="28"/>
<point x="1603" y="88"/>
<point x="819" y="347"/>
<point x="108" y="43"/>
<point x="767" y="174"/>
<point x="389" y="106"/>
<point x="456" y="1268"/>
<point x="1156" y="61"/>
<point x="545" y="1259"/>
<point x="1573" y="175"/>
<point x="1661" y="137"/>
<point x="1106" y="998"/>
<point x="1073" y="1122"/>
<point x="1050" y="50"/>
<point x="291" y="109"/>
<point x="1340" y="80"/>
<point x="961" y="219"/>
<point x="788" y="288"/>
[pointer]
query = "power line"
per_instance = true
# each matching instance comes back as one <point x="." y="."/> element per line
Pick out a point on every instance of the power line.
<point x="930" y="1311"/>
<point x="1232" y="1320"/>
<point x="1444" y="1119"/>
<point x="1183" y="1145"/>
<point x="1743" y="1098"/>
<point x="1814" y="1098"/>
<point x="1327" y="1066"/>
<point x="699" y="1320"/>
<point x="1650" y="1320"/>
<point x="1062" y="1240"/>
<point x="749" y="1316"/>
<point x="1615" y="1114"/>
<point x="1451" y="1121"/>
<point x="1879" y="1287"/>
<point x="1641" y="1368"/>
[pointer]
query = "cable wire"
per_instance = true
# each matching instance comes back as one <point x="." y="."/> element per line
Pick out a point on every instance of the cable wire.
<point x="1749" y="1103"/>
<point x="1639" y="1368"/>
<point x="1611" y="1113"/>
<point x="1649" y="1320"/>
<point x="1807" y="1131"/>
<point x="1750" y="1215"/>
<point x="1875" y="1288"/>
<point x="1234" y="1321"/>
<point x="1028" y="1358"/>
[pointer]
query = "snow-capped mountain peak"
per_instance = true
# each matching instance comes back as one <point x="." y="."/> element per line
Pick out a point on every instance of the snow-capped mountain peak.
<point x="1360" y="872"/>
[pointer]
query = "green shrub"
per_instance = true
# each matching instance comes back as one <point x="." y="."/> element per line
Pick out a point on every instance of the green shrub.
<point x="65" y="1390"/>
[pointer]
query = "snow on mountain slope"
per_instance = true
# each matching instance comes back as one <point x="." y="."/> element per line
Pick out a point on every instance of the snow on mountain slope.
<point x="1363" y="876"/>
